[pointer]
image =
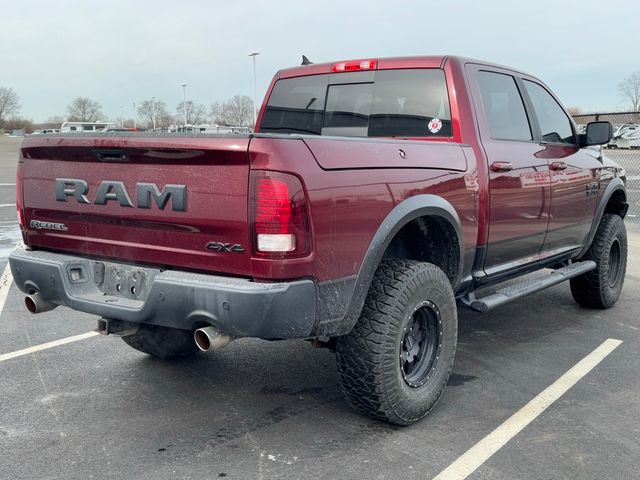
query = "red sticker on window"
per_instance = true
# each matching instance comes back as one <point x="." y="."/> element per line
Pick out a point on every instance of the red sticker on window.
<point x="435" y="125"/>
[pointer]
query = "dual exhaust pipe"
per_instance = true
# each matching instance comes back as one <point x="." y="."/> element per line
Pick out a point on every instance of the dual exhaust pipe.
<point x="206" y="339"/>
<point x="210" y="338"/>
<point x="36" y="304"/>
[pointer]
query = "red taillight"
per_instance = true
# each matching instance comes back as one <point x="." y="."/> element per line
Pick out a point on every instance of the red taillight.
<point x="354" y="65"/>
<point x="19" y="195"/>
<point x="279" y="214"/>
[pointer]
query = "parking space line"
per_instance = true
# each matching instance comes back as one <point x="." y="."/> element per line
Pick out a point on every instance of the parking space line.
<point x="45" y="346"/>
<point x="485" y="448"/>
<point x="5" y="285"/>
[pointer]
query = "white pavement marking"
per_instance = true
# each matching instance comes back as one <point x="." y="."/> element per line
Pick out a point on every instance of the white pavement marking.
<point x="45" y="346"/>
<point x="7" y="184"/>
<point x="485" y="448"/>
<point x="5" y="285"/>
<point x="7" y="205"/>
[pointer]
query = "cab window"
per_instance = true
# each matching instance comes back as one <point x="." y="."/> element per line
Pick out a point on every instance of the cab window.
<point x="503" y="107"/>
<point x="554" y="123"/>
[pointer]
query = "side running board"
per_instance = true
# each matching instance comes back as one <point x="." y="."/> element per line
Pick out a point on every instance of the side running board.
<point x="526" y="287"/>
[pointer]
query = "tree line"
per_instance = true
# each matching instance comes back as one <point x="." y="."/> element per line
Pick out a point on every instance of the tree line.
<point x="237" y="111"/>
<point x="151" y="113"/>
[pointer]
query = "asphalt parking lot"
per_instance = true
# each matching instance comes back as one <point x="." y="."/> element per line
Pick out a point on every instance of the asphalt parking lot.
<point x="95" y="408"/>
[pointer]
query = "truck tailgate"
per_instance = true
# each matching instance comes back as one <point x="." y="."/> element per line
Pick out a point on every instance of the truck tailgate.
<point x="158" y="200"/>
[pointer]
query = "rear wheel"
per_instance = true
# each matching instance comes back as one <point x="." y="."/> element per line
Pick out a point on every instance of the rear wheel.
<point x="601" y="287"/>
<point x="162" y="342"/>
<point x="395" y="363"/>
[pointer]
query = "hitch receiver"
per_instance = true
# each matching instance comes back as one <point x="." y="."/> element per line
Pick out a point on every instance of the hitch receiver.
<point x="119" y="328"/>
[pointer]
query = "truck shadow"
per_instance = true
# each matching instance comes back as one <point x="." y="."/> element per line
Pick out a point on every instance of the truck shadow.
<point x="266" y="390"/>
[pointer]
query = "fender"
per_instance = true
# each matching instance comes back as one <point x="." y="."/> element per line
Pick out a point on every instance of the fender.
<point x="398" y="217"/>
<point x="614" y="185"/>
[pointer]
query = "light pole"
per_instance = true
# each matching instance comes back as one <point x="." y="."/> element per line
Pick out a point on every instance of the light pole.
<point x="135" y="116"/>
<point x="255" y="103"/>
<point x="153" y="112"/>
<point x="184" y="104"/>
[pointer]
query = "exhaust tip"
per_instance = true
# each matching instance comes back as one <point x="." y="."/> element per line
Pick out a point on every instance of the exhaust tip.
<point x="36" y="304"/>
<point x="208" y="339"/>
<point x="202" y="340"/>
<point x="30" y="304"/>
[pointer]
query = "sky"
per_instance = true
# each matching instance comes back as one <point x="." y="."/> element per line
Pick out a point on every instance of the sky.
<point x="120" y="52"/>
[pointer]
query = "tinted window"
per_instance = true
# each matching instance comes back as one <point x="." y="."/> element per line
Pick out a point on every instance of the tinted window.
<point x="555" y="125"/>
<point x="296" y="105"/>
<point x="404" y="103"/>
<point x="504" y="110"/>
<point x="348" y="109"/>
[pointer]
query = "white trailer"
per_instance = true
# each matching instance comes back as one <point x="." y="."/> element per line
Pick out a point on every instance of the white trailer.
<point x="87" y="127"/>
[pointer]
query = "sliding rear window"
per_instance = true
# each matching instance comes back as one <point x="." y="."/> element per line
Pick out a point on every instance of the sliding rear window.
<point x="385" y="103"/>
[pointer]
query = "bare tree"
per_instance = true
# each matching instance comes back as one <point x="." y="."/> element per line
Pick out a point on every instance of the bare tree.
<point x="215" y="113"/>
<point x="574" y="111"/>
<point x="154" y="113"/>
<point x="237" y="111"/>
<point x="629" y="91"/>
<point x="9" y="103"/>
<point x="56" y="120"/>
<point x="195" y="113"/>
<point x="83" y="109"/>
<point x="19" y="123"/>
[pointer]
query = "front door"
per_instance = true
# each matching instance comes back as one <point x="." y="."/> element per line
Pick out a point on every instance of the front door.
<point x="574" y="183"/>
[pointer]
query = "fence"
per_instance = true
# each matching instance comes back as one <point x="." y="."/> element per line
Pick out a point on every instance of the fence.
<point x="624" y="149"/>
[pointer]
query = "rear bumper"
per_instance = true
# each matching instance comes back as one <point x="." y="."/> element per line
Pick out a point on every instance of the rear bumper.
<point x="169" y="298"/>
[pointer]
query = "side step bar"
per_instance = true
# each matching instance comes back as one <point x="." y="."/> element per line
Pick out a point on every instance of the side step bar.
<point x="522" y="289"/>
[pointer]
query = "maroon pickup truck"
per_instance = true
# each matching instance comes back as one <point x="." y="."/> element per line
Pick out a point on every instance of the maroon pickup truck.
<point x="373" y="197"/>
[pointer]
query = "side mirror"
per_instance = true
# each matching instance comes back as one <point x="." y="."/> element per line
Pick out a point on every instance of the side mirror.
<point x="597" y="133"/>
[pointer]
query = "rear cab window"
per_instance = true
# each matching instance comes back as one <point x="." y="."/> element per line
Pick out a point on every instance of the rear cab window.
<point x="384" y="103"/>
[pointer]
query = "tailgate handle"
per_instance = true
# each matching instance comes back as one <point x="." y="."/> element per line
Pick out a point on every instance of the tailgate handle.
<point x="110" y="154"/>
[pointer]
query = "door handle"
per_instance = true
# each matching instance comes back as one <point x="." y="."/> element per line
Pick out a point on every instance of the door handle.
<point x="558" y="166"/>
<point x="501" y="167"/>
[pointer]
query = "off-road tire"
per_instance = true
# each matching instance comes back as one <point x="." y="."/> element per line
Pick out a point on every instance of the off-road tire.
<point x="162" y="342"/>
<point x="371" y="375"/>
<point x="601" y="287"/>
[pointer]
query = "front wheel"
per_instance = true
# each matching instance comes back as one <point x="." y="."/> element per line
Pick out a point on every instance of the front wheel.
<point x="162" y="342"/>
<point x="395" y="363"/>
<point x="601" y="287"/>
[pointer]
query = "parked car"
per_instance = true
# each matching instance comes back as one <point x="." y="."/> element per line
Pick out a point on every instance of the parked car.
<point x="626" y="136"/>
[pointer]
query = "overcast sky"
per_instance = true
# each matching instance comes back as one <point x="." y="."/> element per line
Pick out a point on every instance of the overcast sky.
<point x="119" y="52"/>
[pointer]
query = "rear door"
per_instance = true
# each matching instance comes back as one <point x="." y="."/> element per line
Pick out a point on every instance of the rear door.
<point x="166" y="201"/>
<point x="518" y="171"/>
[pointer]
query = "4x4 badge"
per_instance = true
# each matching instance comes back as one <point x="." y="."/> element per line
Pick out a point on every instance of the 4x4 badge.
<point x="225" y="247"/>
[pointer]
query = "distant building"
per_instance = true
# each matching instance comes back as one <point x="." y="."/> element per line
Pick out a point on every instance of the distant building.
<point x="208" y="128"/>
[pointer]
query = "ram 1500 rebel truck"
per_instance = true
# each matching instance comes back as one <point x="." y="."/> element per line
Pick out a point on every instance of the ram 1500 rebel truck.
<point x="374" y="197"/>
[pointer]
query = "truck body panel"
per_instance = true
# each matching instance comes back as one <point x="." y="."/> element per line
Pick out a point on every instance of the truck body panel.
<point x="213" y="171"/>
